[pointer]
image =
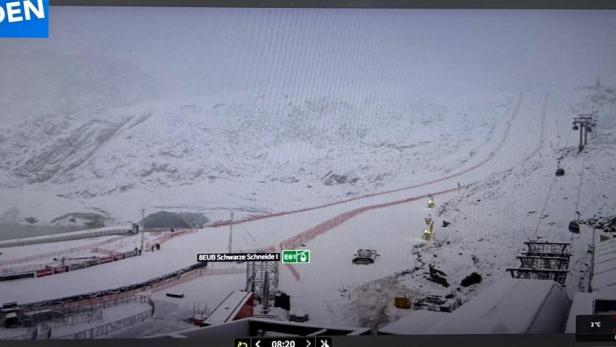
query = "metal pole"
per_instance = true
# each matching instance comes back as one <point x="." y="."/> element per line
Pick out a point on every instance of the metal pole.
<point x="592" y="261"/>
<point x="265" y="303"/>
<point x="247" y="275"/>
<point x="231" y="233"/>
<point x="253" y="278"/>
<point x="142" y="228"/>
<point x="581" y="145"/>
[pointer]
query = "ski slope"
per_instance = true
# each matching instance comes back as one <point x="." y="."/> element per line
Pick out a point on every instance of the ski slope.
<point x="182" y="252"/>
<point x="323" y="130"/>
<point x="489" y="215"/>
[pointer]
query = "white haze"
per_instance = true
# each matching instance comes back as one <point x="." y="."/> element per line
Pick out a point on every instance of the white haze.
<point x="357" y="53"/>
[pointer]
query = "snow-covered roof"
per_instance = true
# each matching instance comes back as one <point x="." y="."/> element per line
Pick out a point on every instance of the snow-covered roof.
<point x="584" y="304"/>
<point x="228" y="308"/>
<point x="604" y="273"/>
<point x="414" y="322"/>
<point x="65" y="236"/>
<point x="603" y="283"/>
<point x="510" y="305"/>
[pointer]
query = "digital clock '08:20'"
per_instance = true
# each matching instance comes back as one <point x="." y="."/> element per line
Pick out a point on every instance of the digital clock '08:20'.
<point x="283" y="343"/>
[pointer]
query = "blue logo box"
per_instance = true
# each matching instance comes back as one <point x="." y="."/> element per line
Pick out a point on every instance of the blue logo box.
<point x="24" y="18"/>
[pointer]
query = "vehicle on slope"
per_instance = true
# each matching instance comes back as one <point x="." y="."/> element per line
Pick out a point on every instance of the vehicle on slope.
<point x="365" y="256"/>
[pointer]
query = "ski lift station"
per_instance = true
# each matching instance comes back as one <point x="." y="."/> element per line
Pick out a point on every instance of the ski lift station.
<point x="601" y="297"/>
<point x="509" y="306"/>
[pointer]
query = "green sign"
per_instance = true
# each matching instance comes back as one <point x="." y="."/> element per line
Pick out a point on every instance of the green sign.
<point x="295" y="256"/>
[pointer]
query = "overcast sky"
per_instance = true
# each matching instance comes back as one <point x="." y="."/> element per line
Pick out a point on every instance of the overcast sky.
<point x="191" y="51"/>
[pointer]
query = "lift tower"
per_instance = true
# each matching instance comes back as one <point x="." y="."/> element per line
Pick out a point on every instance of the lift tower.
<point x="584" y="123"/>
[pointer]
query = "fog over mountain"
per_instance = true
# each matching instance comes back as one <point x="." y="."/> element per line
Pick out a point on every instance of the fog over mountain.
<point x="195" y="51"/>
<point x="149" y="101"/>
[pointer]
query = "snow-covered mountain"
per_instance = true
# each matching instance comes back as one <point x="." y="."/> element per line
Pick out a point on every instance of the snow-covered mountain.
<point x="237" y="148"/>
<point x="43" y="84"/>
<point x="89" y="119"/>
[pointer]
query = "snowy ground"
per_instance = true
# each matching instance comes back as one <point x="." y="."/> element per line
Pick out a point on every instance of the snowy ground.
<point x="171" y="314"/>
<point x="509" y="195"/>
<point x="24" y="258"/>
<point x="107" y="315"/>
<point x="249" y="236"/>
<point x="264" y="153"/>
<point x="507" y="188"/>
<point x="490" y="221"/>
<point x="343" y="135"/>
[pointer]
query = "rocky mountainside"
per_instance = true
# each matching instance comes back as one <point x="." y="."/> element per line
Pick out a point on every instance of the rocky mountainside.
<point x="272" y="139"/>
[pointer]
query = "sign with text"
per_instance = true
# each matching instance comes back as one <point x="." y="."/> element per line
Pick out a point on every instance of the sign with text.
<point x="298" y="256"/>
<point x="237" y="257"/>
<point x="24" y="18"/>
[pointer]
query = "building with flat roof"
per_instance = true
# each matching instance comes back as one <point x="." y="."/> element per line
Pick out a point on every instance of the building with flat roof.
<point x="509" y="306"/>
